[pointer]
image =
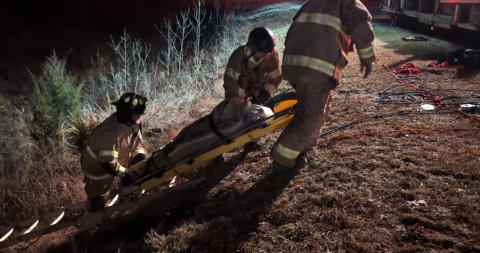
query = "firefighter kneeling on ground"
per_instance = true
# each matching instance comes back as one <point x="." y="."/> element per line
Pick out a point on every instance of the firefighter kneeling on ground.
<point x="316" y="50"/>
<point x="252" y="75"/>
<point x="114" y="145"/>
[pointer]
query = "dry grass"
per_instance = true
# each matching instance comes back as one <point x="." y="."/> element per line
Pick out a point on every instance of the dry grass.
<point x="182" y="81"/>
<point x="34" y="181"/>
<point x="403" y="192"/>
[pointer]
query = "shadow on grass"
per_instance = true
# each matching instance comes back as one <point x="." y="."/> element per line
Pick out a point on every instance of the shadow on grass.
<point x="241" y="211"/>
<point x="233" y="220"/>
<point x="128" y="231"/>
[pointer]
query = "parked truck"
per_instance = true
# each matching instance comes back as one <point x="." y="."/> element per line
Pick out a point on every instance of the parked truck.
<point x="448" y="14"/>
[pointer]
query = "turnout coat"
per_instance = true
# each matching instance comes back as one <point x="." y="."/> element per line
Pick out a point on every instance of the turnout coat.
<point x="322" y="34"/>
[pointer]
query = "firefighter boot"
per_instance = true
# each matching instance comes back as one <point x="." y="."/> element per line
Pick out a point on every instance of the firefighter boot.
<point x="301" y="161"/>
<point x="96" y="203"/>
<point x="129" y="178"/>
<point x="251" y="147"/>
<point x="282" y="164"/>
<point x="219" y="160"/>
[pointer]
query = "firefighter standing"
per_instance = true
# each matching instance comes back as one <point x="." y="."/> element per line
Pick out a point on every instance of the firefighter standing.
<point x="252" y="75"/>
<point x="315" y="53"/>
<point x="114" y="144"/>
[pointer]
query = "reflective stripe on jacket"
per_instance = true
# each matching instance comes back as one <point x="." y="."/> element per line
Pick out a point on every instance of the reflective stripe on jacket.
<point x="318" y="41"/>
<point x="240" y="79"/>
<point x="109" y="148"/>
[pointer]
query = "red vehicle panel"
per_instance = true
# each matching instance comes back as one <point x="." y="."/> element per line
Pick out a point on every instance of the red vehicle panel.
<point x="373" y="4"/>
<point x="460" y="1"/>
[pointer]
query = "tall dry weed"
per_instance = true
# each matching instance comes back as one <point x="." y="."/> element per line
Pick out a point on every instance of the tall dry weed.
<point x="180" y="82"/>
<point x="32" y="179"/>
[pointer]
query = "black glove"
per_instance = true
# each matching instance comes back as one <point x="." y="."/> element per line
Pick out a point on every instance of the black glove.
<point x="127" y="179"/>
<point x="263" y="96"/>
<point x="153" y="167"/>
<point x="138" y="158"/>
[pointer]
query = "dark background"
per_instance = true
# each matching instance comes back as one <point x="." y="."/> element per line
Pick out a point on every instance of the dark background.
<point x="78" y="29"/>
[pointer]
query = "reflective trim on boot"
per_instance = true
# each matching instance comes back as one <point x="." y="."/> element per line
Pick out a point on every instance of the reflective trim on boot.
<point x="282" y="162"/>
<point x="301" y="161"/>
<point x="288" y="153"/>
<point x="97" y="177"/>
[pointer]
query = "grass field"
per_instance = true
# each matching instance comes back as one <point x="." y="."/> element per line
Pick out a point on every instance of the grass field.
<point x="400" y="192"/>
<point x="412" y="190"/>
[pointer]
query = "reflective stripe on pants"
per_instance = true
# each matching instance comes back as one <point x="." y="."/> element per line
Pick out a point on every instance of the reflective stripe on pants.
<point x="309" y="116"/>
<point x="97" y="177"/>
<point x="95" y="184"/>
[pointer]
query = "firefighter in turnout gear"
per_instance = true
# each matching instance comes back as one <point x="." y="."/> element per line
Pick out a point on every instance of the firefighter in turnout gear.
<point x="316" y="47"/>
<point x="114" y="144"/>
<point x="253" y="70"/>
<point x="252" y="75"/>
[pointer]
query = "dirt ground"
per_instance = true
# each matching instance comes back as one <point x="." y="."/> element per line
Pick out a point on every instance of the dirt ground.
<point x="401" y="192"/>
<point x="415" y="189"/>
<point x="408" y="182"/>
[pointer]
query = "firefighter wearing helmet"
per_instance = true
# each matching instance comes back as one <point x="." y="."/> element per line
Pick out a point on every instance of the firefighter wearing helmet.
<point x="252" y="75"/>
<point x="253" y="70"/>
<point x="316" y="48"/>
<point x="114" y="145"/>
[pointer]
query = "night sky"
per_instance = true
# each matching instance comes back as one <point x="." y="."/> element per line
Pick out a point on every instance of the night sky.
<point x="76" y="29"/>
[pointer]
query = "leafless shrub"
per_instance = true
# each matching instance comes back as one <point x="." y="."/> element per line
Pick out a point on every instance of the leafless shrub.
<point x="182" y="75"/>
<point x="180" y="82"/>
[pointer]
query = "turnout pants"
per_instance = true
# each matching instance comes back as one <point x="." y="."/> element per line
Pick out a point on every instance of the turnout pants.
<point x="98" y="183"/>
<point x="310" y="112"/>
<point x="98" y="179"/>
